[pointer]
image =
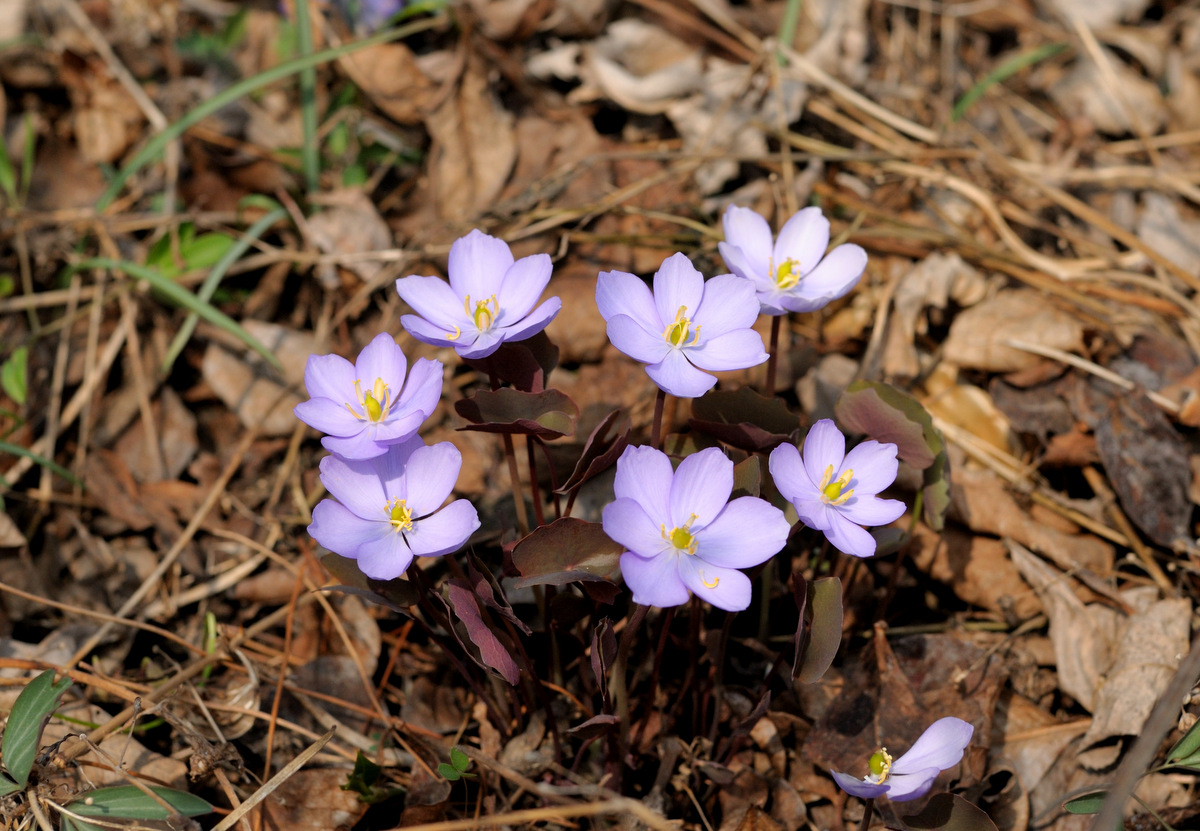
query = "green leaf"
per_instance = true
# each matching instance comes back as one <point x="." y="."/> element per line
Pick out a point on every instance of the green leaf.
<point x="49" y="464"/>
<point x="1186" y="749"/>
<point x="1005" y="70"/>
<point x="460" y="760"/>
<point x="129" y="802"/>
<point x="8" y="176"/>
<point x="364" y="776"/>
<point x="7" y="786"/>
<point x="14" y="375"/>
<point x="36" y="703"/>
<point x="190" y="252"/>
<point x="449" y="773"/>
<point x="822" y="633"/>
<point x="1089" y="803"/>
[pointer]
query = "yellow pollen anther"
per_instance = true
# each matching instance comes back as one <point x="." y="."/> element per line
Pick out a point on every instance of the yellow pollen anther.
<point x="483" y="314"/>
<point x="681" y="538"/>
<point x="788" y="274"/>
<point x="457" y="334"/>
<point x="374" y="403"/>
<point x="399" y="515"/>
<point x="680" y="330"/>
<point x="711" y="585"/>
<point x="831" y="492"/>
<point x="880" y="765"/>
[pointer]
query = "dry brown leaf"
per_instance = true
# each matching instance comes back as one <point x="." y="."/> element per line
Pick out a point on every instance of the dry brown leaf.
<point x="252" y="389"/>
<point x="175" y="427"/>
<point x="349" y="224"/>
<point x="1030" y="739"/>
<point x="10" y="534"/>
<point x="977" y="338"/>
<point x="313" y="800"/>
<point x="978" y="570"/>
<point x="390" y="76"/>
<point x="1136" y="104"/>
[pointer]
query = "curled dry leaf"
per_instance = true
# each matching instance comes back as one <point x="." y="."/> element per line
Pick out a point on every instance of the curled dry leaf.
<point x="389" y="75"/>
<point x="978" y="337"/>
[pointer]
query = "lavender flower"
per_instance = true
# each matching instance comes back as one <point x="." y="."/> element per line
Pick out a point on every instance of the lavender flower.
<point x="795" y="274"/>
<point x="911" y="776"/>
<point x="389" y="508"/>
<point x="367" y="406"/>
<point x="488" y="301"/>
<point x="682" y="531"/>
<point x="685" y="326"/>
<point x="371" y="14"/>
<point x="834" y="491"/>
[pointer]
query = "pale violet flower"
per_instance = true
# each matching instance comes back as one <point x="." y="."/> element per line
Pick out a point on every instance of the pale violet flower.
<point x="682" y="531"/>
<point x="369" y="405"/>
<point x="389" y="509"/>
<point x="489" y="300"/>
<point x="683" y="327"/>
<point x="835" y="491"/>
<point x="911" y="776"/>
<point x="792" y="273"/>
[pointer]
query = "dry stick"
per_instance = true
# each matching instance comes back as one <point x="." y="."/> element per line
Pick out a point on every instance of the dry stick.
<point x="1156" y="727"/>
<point x="511" y="455"/>
<point x="612" y="807"/>
<point x="772" y="355"/>
<point x="142" y="392"/>
<point x="1096" y="481"/>
<point x="95" y="318"/>
<point x="275" y="781"/>
<point x="656" y="426"/>
<point x="58" y="379"/>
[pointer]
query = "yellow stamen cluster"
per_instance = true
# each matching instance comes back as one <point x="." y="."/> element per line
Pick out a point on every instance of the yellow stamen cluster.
<point x="373" y="404"/>
<point x="880" y="765"/>
<point x="679" y="332"/>
<point x="681" y="538"/>
<point x="788" y="274"/>
<point x="399" y="515"/>
<point x="831" y="492"/>
<point x="483" y="314"/>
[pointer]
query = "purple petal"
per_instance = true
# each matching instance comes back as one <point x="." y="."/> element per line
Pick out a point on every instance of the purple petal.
<point x="904" y="787"/>
<point x="747" y="231"/>
<point x="740" y="263"/>
<point x="443" y="532"/>
<point x="941" y="746"/>
<point x="329" y="376"/>
<point x="622" y="293"/>
<point x="803" y="238"/>
<point x="739" y="349"/>
<point x="386" y="557"/>
<point x="791" y="478"/>
<point x="435" y="335"/>
<point x="770" y="301"/>
<point x="823" y="446"/>
<point x="644" y="475"/>
<point x="521" y="286"/>
<point x="356" y="484"/>
<point x="815" y="512"/>
<point x="871" y="510"/>
<point x="435" y="301"/>
<point x="626" y="522"/>
<point x="431" y="473"/>
<point x="359" y="447"/>
<point x="857" y="787"/>
<point x="392" y="466"/>
<point x="724" y="588"/>
<point x="328" y="416"/>
<point x="837" y="273"/>
<point x="423" y="389"/>
<point x="679" y="378"/>
<point x="701" y="488"/>
<point x="477" y="264"/>
<point x="730" y="303"/>
<point x="397" y="428"/>
<point x="629" y="336"/>
<point x="339" y="530"/>
<point x="874" y="465"/>
<point x="384" y="359"/>
<point x="847" y="537"/>
<point x="677" y="284"/>
<point x="480" y="345"/>
<point x="748" y="532"/>
<point x="654" y="581"/>
<point x="532" y="323"/>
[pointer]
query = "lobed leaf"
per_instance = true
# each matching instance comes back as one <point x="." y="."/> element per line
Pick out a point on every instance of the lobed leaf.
<point x="744" y="418"/>
<point x="599" y="451"/>
<point x="525" y="365"/>
<point x="23" y="734"/>
<point x="564" y="551"/>
<point x="549" y="414"/>
<point x="821" y="627"/>
<point x="493" y="654"/>
<point x="950" y="812"/>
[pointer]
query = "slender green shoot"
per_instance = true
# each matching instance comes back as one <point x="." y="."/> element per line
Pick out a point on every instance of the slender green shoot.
<point x="155" y="146"/>
<point x="214" y="278"/>
<point x="49" y="464"/>
<point x="1003" y="72"/>
<point x="787" y="27"/>
<point x="181" y="297"/>
<point x="310" y="159"/>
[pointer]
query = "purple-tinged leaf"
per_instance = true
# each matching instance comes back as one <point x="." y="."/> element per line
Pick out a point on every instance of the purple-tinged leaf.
<point x="397" y="595"/>
<point x="493" y="654"/>
<point x="565" y="551"/>
<point x="523" y="364"/>
<point x="744" y="419"/>
<point x="747" y="477"/>
<point x="822" y="628"/>
<point x="950" y="812"/>
<point x="604" y="650"/>
<point x="549" y="413"/>
<point x="488" y="589"/>
<point x="594" y="727"/>
<point x="600" y="452"/>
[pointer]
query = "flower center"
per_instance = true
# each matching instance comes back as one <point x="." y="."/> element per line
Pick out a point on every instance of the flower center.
<point x="399" y="515"/>
<point x="680" y="330"/>
<point x="372" y="404"/>
<point x="880" y="764"/>
<point x="485" y="312"/>
<point x="832" y="492"/>
<point x="681" y="538"/>
<point x="788" y="274"/>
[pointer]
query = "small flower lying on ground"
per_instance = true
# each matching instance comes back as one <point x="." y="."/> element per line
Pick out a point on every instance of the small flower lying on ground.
<point x="682" y="531"/>
<point x="794" y="274"/>
<point x="834" y="491"/>
<point x="367" y="406"/>
<point x="488" y="301"/>
<point x="911" y="776"/>
<point x="389" y="508"/>
<point x="685" y="326"/>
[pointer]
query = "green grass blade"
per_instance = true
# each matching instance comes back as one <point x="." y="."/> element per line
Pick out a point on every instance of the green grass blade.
<point x="129" y="802"/>
<point x="155" y="146"/>
<point x="214" y="278"/>
<point x="1001" y="73"/>
<point x="180" y="296"/>
<point x="49" y="464"/>
<point x="23" y="733"/>
<point x="310" y="160"/>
